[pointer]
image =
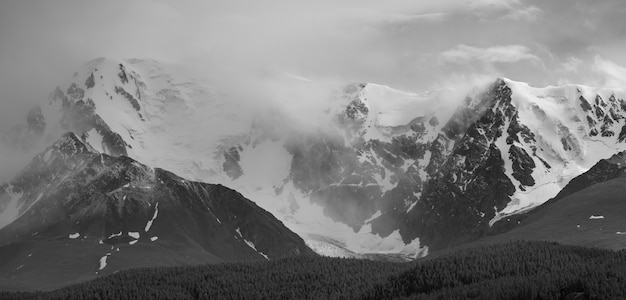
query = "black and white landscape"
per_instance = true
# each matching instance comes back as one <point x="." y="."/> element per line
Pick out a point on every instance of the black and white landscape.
<point x="354" y="150"/>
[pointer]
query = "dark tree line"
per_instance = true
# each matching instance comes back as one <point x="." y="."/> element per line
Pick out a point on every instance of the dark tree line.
<point x="518" y="270"/>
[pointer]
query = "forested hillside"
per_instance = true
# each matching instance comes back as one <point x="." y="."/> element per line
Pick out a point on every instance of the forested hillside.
<point x="517" y="270"/>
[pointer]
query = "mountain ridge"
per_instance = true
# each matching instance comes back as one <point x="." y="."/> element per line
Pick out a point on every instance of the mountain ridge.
<point x="359" y="184"/>
<point x="80" y="214"/>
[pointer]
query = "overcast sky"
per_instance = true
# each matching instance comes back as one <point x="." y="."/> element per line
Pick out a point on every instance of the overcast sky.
<point x="408" y="44"/>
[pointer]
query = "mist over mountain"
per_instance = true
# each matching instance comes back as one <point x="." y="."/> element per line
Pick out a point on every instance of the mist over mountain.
<point x="362" y="169"/>
<point x="152" y="134"/>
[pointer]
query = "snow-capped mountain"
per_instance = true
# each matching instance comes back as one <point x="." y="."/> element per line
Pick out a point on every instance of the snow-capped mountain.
<point x="398" y="165"/>
<point x="138" y="108"/>
<point x="385" y="171"/>
<point x="87" y="213"/>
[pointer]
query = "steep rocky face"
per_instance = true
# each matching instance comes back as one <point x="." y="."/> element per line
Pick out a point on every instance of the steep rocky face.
<point x="468" y="185"/>
<point x="492" y="161"/>
<point x="72" y="193"/>
<point x="447" y="180"/>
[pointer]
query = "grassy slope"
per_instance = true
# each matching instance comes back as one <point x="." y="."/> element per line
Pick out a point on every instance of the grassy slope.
<point x="560" y="220"/>
<point x="51" y="264"/>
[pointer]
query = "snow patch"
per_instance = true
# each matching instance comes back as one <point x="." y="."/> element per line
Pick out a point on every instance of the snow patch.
<point x="154" y="216"/>
<point x="74" y="236"/>
<point x="594" y="217"/>
<point x="310" y="222"/>
<point x="255" y="249"/>
<point x="374" y="216"/>
<point x="94" y="139"/>
<point x="115" y="235"/>
<point x="330" y="250"/>
<point x="134" y="235"/>
<point x="154" y="238"/>
<point x="103" y="262"/>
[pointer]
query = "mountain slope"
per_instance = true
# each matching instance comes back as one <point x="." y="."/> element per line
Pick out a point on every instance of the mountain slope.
<point x="382" y="170"/>
<point x="77" y="213"/>
<point x="587" y="212"/>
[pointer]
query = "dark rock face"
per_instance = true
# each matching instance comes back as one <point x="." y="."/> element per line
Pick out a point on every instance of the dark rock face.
<point x="90" y="82"/>
<point x="129" y="97"/>
<point x="604" y="115"/>
<point x="468" y="184"/>
<point x="73" y="189"/>
<point x="231" y="162"/>
<point x="122" y="74"/>
<point x="622" y="134"/>
<point x="584" y="104"/>
<point x="523" y="166"/>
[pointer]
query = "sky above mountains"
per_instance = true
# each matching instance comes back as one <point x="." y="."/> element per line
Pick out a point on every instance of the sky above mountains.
<point x="293" y="53"/>
<point x="407" y="44"/>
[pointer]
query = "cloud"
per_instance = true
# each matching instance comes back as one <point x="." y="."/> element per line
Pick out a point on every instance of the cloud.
<point x="530" y="13"/>
<point x="572" y="64"/>
<point x="493" y="4"/>
<point x="504" y="10"/>
<point x="463" y="54"/>
<point x="429" y="17"/>
<point x="613" y="75"/>
<point x="401" y="43"/>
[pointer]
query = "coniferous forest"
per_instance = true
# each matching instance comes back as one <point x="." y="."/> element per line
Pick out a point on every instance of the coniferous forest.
<point x="516" y="270"/>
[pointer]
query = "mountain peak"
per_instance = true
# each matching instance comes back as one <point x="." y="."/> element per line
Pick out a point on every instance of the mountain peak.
<point x="69" y="145"/>
<point x="70" y="141"/>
